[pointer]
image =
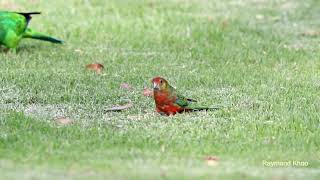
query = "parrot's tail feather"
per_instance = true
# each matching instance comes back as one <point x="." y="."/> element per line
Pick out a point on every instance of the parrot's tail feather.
<point x="47" y="38"/>
<point x="202" y="109"/>
<point x="36" y="35"/>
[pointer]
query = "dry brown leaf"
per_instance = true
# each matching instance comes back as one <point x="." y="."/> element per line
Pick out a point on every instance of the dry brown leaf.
<point x="311" y="33"/>
<point x="147" y="92"/>
<point x="125" y="86"/>
<point x="151" y="4"/>
<point x="63" y="120"/>
<point x="119" y="108"/>
<point x="210" y="18"/>
<point x="279" y="178"/>
<point x="212" y="160"/>
<point x="225" y="24"/>
<point x="78" y="51"/>
<point x="98" y="68"/>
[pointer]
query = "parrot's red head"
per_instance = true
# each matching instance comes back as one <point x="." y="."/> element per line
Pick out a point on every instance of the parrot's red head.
<point x="159" y="83"/>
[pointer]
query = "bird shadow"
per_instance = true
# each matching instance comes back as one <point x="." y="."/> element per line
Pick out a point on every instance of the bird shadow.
<point x="4" y="50"/>
<point x="21" y="49"/>
<point x="28" y="48"/>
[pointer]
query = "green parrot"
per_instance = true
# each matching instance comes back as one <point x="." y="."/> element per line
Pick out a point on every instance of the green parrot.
<point x="14" y="27"/>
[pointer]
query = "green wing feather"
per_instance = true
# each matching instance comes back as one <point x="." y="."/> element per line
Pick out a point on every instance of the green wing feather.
<point x="13" y="21"/>
<point x="180" y="99"/>
<point x="182" y="102"/>
<point x="12" y="27"/>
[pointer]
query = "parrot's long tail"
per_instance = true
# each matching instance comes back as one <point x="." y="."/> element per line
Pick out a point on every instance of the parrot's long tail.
<point x="40" y="36"/>
<point x="202" y="109"/>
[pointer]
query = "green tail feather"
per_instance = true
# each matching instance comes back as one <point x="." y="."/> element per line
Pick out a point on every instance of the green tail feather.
<point x="47" y="38"/>
<point x="36" y="35"/>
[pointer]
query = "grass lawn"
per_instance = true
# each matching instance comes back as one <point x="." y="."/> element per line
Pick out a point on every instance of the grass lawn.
<point x="259" y="58"/>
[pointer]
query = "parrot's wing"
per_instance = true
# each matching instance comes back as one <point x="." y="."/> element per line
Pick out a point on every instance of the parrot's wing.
<point x="180" y="99"/>
<point x="184" y="102"/>
<point x="13" y="21"/>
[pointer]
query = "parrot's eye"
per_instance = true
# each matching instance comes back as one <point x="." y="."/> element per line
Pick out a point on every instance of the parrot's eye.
<point x="160" y="81"/>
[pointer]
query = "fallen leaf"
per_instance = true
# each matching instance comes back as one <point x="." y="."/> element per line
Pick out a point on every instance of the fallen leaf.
<point x="147" y="92"/>
<point x="98" y="68"/>
<point x="120" y="108"/>
<point x="212" y="160"/>
<point x="210" y="18"/>
<point x="125" y="86"/>
<point x="279" y="178"/>
<point x="63" y="120"/>
<point x="311" y="33"/>
<point x="151" y="4"/>
<point x="78" y="50"/>
<point x="224" y="24"/>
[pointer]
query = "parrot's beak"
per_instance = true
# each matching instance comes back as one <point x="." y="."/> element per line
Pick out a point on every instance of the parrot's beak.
<point x="155" y="86"/>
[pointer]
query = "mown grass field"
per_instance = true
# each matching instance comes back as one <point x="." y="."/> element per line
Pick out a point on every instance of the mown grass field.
<point x="258" y="58"/>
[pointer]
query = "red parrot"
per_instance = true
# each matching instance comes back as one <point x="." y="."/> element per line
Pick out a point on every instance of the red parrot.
<point x="169" y="102"/>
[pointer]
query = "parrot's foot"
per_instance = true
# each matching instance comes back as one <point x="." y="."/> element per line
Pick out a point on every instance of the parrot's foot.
<point x="4" y="50"/>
